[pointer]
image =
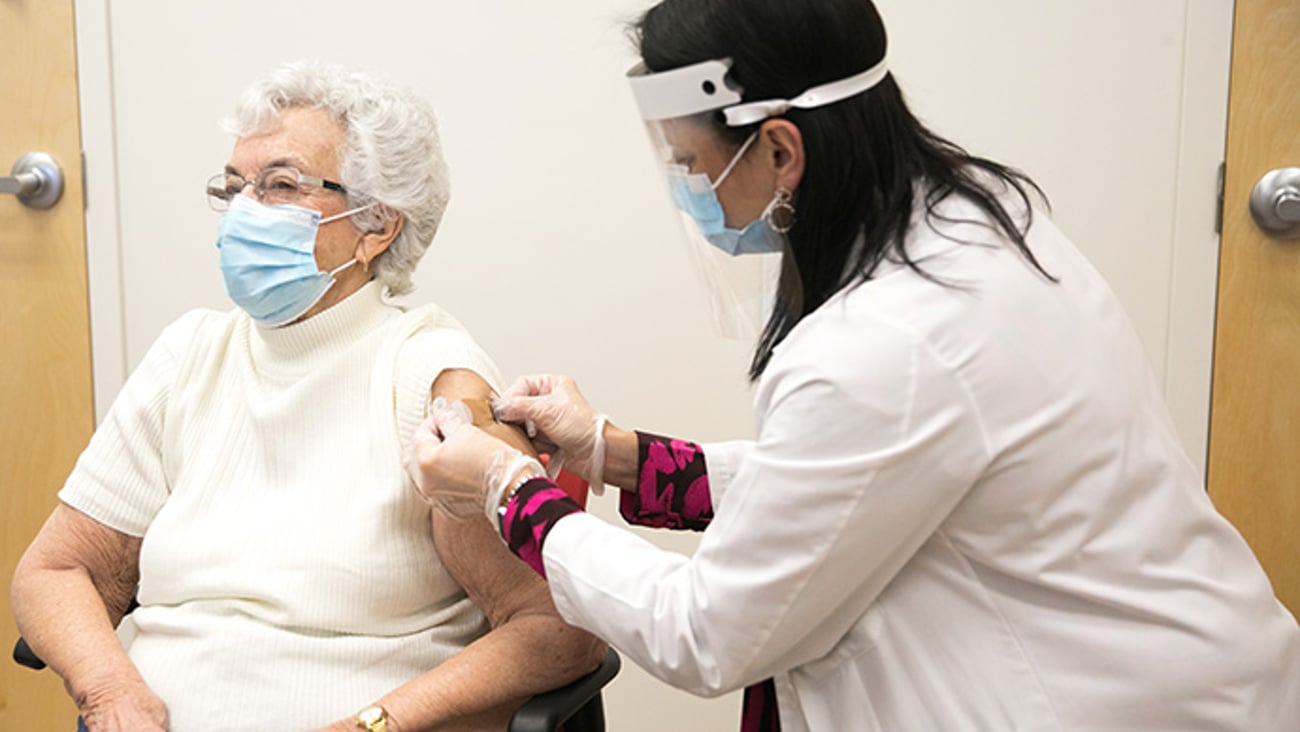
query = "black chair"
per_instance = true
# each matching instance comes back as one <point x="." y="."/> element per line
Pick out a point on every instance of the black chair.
<point x="577" y="706"/>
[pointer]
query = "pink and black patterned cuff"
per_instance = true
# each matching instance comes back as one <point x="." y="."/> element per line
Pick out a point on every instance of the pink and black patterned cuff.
<point x="672" y="489"/>
<point x="530" y="515"/>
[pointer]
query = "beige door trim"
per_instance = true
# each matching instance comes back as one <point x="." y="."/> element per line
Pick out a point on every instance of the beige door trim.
<point x="103" y="240"/>
<point x="1194" y="275"/>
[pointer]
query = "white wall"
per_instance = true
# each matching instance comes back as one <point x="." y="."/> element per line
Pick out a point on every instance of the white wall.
<point x="560" y="252"/>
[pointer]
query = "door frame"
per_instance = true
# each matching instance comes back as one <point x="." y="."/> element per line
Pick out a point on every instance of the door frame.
<point x="99" y="163"/>
<point x="1194" y="275"/>
<point x="1189" y="323"/>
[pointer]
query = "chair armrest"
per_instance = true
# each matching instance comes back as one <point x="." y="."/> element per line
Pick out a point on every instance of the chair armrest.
<point x="24" y="656"/>
<point x="546" y="712"/>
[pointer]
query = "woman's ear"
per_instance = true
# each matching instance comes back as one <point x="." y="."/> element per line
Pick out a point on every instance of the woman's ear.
<point x="783" y="146"/>
<point x="375" y="242"/>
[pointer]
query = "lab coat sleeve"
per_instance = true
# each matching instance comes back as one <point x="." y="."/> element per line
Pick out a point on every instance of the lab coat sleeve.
<point x="723" y="459"/>
<point x="866" y="445"/>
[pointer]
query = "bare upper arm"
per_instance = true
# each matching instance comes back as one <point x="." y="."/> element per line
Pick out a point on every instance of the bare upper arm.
<point x="495" y="579"/>
<point x="465" y="385"/>
<point x="72" y="541"/>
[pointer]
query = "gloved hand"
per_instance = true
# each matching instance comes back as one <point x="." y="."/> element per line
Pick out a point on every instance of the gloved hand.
<point x="460" y="469"/>
<point x="556" y="415"/>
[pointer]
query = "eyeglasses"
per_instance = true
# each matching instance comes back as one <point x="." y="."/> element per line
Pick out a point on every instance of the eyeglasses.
<point x="274" y="186"/>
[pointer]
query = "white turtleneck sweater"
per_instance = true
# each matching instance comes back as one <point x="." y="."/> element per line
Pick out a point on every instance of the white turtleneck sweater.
<point x="288" y="575"/>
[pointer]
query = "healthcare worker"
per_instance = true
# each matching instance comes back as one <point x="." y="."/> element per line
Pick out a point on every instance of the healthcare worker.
<point x="966" y="507"/>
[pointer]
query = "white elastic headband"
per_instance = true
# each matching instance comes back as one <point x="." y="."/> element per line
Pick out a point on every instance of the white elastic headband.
<point x="818" y="96"/>
<point x="681" y="92"/>
<point x="705" y="86"/>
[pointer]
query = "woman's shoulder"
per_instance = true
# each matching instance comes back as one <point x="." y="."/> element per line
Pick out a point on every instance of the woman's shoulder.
<point x="195" y="328"/>
<point x="429" y="330"/>
<point x="431" y="340"/>
<point x="199" y="319"/>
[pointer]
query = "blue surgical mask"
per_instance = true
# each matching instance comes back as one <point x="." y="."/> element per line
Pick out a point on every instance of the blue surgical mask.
<point x="697" y="197"/>
<point x="268" y="259"/>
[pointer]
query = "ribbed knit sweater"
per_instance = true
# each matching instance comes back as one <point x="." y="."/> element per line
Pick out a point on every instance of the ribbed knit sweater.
<point x="288" y="575"/>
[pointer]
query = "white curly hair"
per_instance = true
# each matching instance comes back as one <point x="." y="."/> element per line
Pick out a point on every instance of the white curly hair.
<point x="391" y="153"/>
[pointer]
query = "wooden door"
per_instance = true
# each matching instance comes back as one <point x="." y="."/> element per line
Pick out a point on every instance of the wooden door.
<point x="46" y="412"/>
<point x="1254" y="465"/>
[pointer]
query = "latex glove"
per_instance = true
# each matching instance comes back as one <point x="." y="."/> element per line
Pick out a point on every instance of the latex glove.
<point x="559" y="420"/>
<point x="460" y="469"/>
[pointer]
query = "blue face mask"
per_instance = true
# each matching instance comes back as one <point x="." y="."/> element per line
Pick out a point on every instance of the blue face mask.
<point x="697" y="197"/>
<point x="268" y="259"/>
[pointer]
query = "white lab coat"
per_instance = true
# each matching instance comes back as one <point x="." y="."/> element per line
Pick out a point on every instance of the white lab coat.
<point x="966" y="509"/>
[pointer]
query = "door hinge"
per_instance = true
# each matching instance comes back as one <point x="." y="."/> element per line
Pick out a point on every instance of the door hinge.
<point x="1218" y="208"/>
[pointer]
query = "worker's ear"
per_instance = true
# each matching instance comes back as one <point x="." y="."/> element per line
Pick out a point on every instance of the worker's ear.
<point x="781" y="145"/>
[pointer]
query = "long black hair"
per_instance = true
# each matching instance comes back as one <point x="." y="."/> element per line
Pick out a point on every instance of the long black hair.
<point x="864" y="154"/>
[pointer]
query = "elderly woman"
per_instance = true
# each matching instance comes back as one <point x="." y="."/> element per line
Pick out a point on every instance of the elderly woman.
<point x="248" y="478"/>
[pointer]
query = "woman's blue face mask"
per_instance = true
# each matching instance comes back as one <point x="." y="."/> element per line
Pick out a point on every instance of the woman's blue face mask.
<point x="268" y="259"/>
<point x="697" y="197"/>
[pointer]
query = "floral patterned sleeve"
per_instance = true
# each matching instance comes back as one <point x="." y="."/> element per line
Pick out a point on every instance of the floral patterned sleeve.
<point x="672" y="490"/>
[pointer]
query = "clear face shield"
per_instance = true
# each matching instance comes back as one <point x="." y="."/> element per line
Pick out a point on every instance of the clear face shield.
<point x="678" y="108"/>
<point x="741" y="270"/>
<point x="738" y="273"/>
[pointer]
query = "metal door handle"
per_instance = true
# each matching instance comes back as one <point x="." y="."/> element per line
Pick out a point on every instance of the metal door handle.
<point x="36" y="179"/>
<point x="1275" y="203"/>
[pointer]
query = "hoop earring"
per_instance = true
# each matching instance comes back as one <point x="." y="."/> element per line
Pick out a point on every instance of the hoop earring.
<point x="784" y="201"/>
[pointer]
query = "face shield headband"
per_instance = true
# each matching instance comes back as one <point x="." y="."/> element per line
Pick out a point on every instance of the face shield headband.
<point x="706" y="87"/>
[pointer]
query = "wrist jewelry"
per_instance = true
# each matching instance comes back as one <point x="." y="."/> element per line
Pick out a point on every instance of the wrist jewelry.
<point x="507" y="495"/>
<point x="500" y="494"/>
<point x="373" y="718"/>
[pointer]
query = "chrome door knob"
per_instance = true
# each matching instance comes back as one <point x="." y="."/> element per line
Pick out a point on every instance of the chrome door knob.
<point x="36" y="179"/>
<point x="1275" y="203"/>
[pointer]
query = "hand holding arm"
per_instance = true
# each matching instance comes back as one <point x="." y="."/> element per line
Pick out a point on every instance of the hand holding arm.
<point x="461" y="469"/>
<point x="558" y="415"/>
